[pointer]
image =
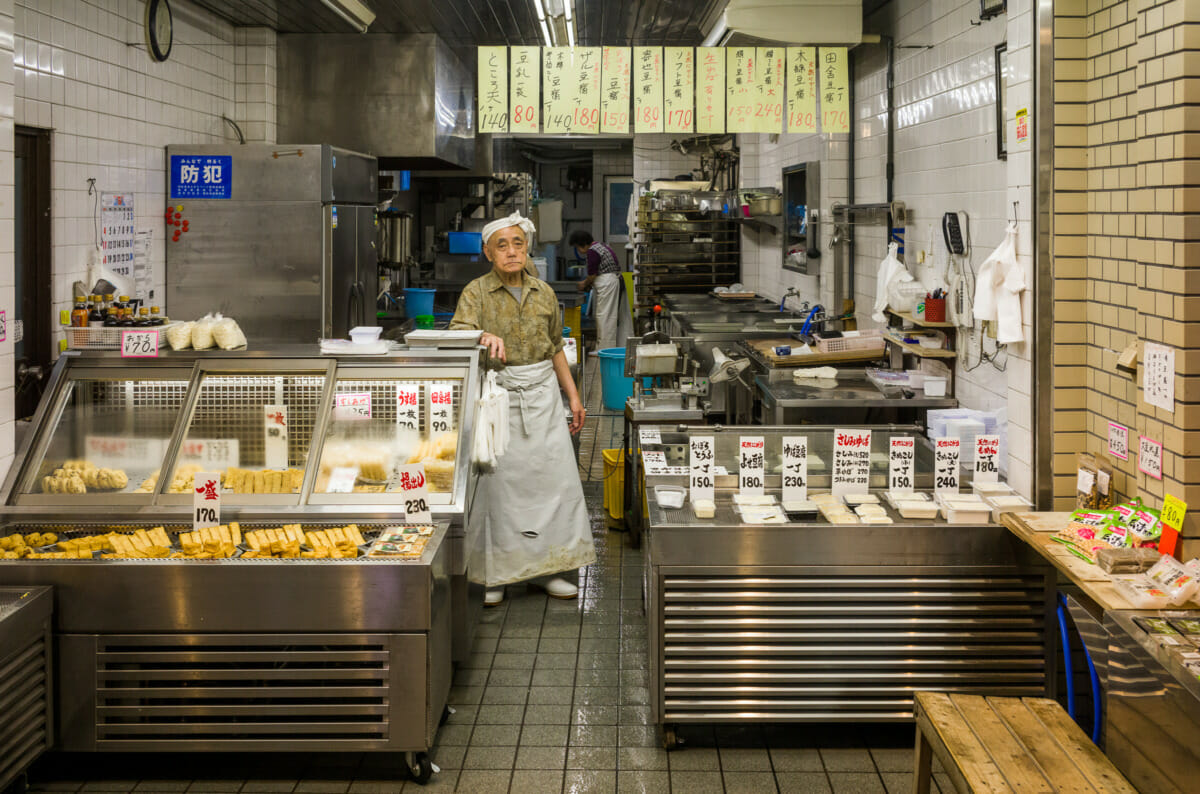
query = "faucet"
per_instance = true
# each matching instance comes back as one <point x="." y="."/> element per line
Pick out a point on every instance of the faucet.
<point x="791" y="292"/>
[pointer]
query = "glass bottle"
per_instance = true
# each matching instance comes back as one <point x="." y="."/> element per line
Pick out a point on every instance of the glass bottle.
<point x="110" y="320"/>
<point x="79" y="315"/>
<point x="123" y="303"/>
<point x="109" y="303"/>
<point x="125" y="318"/>
<point x="95" y="311"/>
<point x="155" y="317"/>
<point x="143" y="318"/>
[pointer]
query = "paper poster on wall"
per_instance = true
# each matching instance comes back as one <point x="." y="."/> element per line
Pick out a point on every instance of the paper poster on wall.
<point x="647" y="89"/>
<point x="768" y="106"/>
<point x="558" y="90"/>
<point x="524" y="69"/>
<point x="1022" y="127"/>
<point x="678" y="97"/>
<point x="710" y="90"/>
<point x="493" y="89"/>
<point x="802" y="89"/>
<point x="835" y="89"/>
<point x="587" y="90"/>
<point x="741" y="64"/>
<point x="117" y="233"/>
<point x="1158" y="376"/>
<point x="614" y="102"/>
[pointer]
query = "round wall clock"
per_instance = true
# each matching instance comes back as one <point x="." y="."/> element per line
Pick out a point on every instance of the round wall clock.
<point x="160" y="29"/>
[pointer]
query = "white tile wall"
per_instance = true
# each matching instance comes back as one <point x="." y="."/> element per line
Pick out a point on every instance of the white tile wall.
<point x="254" y="76"/>
<point x="7" y="265"/>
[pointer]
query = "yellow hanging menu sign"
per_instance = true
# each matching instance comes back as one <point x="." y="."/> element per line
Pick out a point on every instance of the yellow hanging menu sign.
<point x="768" y="109"/>
<point x="710" y="90"/>
<point x="558" y="90"/>
<point x="587" y="90"/>
<point x="647" y="89"/>
<point x="614" y="101"/>
<point x="741" y="65"/>
<point x="835" y="90"/>
<point x="493" y="89"/>
<point x="678" y="93"/>
<point x="524" y="69"/>
<point x="802" y="89"/>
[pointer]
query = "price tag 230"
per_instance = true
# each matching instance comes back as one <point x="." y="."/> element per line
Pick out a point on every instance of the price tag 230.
<point x="139" y="344"/>
<point x="795" y="468"/>
<point x="206" y="499"/>
<point x="703" y="475"/>
<point x="414" y="491"/>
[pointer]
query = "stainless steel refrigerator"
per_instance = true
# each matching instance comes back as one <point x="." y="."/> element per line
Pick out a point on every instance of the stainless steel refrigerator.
<point x="281" y="238"/>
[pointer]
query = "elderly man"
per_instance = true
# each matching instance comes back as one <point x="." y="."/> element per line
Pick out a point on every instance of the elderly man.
<point x="528" y="519"/>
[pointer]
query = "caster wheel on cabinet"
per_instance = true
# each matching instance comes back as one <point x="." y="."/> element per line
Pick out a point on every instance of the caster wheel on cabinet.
<point x="670" y="741"/>
<point x="420" y="767"/>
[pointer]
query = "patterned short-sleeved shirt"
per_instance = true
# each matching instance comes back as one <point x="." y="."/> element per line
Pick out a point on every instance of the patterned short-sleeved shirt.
<point x="531" y="329"/>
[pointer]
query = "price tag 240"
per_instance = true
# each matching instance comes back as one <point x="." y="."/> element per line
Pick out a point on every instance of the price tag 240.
<point x="415" y="492"/>
<point x="139" y="344"/>
<point x="703" y="476"/>
<point x="945" y="465"/>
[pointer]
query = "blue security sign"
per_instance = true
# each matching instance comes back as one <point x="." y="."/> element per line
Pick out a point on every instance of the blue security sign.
<point x="201" y="176"/>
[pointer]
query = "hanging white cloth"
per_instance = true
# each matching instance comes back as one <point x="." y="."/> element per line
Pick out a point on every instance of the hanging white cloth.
<point x="491" y="424"/>
<point x="890" y="269"/>
<point x="998" y="290"/>
<point x="612" y="313"/>
<point x="528" y="518"/>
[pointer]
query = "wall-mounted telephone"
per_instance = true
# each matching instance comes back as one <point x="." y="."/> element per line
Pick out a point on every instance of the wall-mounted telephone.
<point x="953" y="233"/>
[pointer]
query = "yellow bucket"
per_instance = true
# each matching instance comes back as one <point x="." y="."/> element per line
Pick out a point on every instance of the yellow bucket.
<point x="614" y="483"/>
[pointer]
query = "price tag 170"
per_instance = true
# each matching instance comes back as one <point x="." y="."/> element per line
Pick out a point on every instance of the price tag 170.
<point x="987" y="458"/>
<point x="902" y="453"/>
<point x="945" y="465"/>
<point x="703" y="477"/>
<point x="751" y="465"/>
<point x="139" y="344"/>
<point x="206" y="499"/>
<point x="795" y="468"/>
<point x="415" y="493"/>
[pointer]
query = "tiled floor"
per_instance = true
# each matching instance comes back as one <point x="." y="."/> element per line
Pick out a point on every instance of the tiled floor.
<point x="553" y="699"/>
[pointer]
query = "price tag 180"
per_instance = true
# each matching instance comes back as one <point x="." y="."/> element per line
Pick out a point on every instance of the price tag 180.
<point x="751" y="465"/>
<point x="703" y="478"/>
<point x="945" y="465"/>
<point x="987" y="458"/>
<point x="902" y="453"/>
<point x="795" y="468"/>
<point x="206" y="499"/>
<point x="415" y="493"/>
<point x="139" y="344"/>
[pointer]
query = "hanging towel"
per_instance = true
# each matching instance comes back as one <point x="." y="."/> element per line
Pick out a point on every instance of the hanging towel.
<point x="998" y="290"/>
<point x="890" y="269"/>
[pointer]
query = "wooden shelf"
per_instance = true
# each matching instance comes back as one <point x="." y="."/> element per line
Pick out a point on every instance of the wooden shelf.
<point x="918" y="351"/>
<point x="907" y="317"/>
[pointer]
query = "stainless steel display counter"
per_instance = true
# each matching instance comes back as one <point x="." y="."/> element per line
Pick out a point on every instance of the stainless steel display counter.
<point x="787" y="402"/>
<point x="26" y="679"/>
<point x="821" y="623"/>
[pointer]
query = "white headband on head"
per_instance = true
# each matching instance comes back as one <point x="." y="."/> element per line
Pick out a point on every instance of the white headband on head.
<point x="503" y="223"/>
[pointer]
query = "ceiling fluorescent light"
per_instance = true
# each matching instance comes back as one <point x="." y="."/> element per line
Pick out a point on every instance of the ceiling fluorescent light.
<point x="570" y="22"/>
<point x="719" y="29"/>
<point x="537" y="5"/>
<point x="357" y="13"/>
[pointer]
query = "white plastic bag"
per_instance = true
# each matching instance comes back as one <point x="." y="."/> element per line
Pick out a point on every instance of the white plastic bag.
<point x="202" y="338"/>
<point x="179" y="335"/>
<point x="228" y="334"/>
<point x="890" y="269"/>
<point x="491" y="427"/>
<point x="998" y="290"/>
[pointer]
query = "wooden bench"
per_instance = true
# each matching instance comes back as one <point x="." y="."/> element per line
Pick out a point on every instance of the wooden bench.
<point x="999" y="744"/>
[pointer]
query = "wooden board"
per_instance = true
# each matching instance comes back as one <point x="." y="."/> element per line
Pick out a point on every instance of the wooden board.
<point x="907" y="317"/>
<point x="765" y="347"/>
<point x="734" y="296"/>
<point x="918" y="351"/>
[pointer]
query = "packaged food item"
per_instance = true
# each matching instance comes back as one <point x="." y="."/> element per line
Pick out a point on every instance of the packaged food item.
<point x="202" y="338"/>
<point x="1141" y="592"/>
<point x="875" y="519"/>
<point x="741" y="499"/>
<point x="704" y="508"/>
<point x="861" y="499"/>
<point x="1145" y="525"/>
<point x="869" y="510"/>
<point x="1163" y="632"/>
<point x="179" y="335"/>
<point x="917" y="509"/>
<point x="1125" y="510"/>
<point x="1189" y="627"/>
<point x="670" y="496"/>
<point x="1126" y="560"/>
<point x="986" y="489"/>
<point x="1092" y="518"/>
<point x="1008" y="503"/>
<point x="228" y="334"/>
<point x="762" y="514"/>
<point x="795" y="510"/>
<point x="1178" y="580"/>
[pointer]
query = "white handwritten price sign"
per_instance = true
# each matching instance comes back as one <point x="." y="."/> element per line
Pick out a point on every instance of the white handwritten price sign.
<point x="525" y="71"/>
<point x="275" y="436"/>
<point x="440" y="414"/>
<point x="341" y="479"/>
<point x="768" y="103"/>
<point x="410" y="481"/>
<point x="119" y="452"/>
<point x="206" y="499"/>
<point x="352" y="407"/>
<point x="851" y="461"/>
<point x="678" y="95"/>
<point x="1150" y="457"/>
<point x="902" y="453"/>
<point x="408" y="405"/>
<point x="217" y="453"/>
<point x="647" y="89"/>
<point x="752" y="465"/>
<point x="802" y="89"/>
<point x="139" y="344"/>
<point x="795" y="468"/>
<point x="1118" y="441"/>
<point x="741" y="75"/>
<point x="946" y="455"/>
<point x="649" y="435"/>
<point x="987" y="458"/>
<point x="703" y="459"/>
<point x="710" y="90"/>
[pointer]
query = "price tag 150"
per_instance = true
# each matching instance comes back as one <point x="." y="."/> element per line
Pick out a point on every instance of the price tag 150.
<point x="751" y="465"/>
<point x="945" y="465"/>
<point x="902" y="453"/>
<point x="414" y="491"/>
<point x="206" y="499"/>
<point x="795" y="468"/>
<point x="703" y="477"/>
<point x="139" y="344"/>
<point x="987" y="458"/>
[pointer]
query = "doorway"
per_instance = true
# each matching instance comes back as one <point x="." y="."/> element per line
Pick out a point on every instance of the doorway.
<point x="29" y="327"/>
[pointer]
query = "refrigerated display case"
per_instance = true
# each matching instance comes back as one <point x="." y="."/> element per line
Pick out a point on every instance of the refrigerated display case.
<point x="317" y="651"/>
<point x="813" y="621"/>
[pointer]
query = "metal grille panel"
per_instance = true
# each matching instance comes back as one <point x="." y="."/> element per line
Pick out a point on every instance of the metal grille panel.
<point x="240" y="688"/>
<point x="844" y="648"/>
<point x="383" y="397"/>
<point x="231" y="406"/>
<point x="24" y="694"/>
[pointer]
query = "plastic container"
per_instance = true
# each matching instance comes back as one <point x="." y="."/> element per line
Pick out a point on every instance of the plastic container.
<point x="614" y="483"/>
<point x="656" y="360"/>
<point x="935" y="310"/>
<point x="465" y="242"/>
<point x="1008" y="503"/>
<point x="704" y="508"/>
<point x="425" y="322"/>
<point x="917" y="509"/>
<point x="670" y="496"/>
<point x="1178" y="580"/>
<point x="916" y="379"/>
<point x="615" y="388"/>
<point x="986" y="489"/>
<point x="1141" y="592"/>
<point x="418" y="301"/>
<point x="865" y="340"/>
<point x="903" y="296"/>
<point x="935" y="386"/>
<point x="365" y="334"/>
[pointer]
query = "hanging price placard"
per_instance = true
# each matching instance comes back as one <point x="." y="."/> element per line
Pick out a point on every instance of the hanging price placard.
<point x="678" y="97"/>
<point x="410" y="481"/>
<point x="987" y="458"/>
<point x="802" y="89"/>
<point x="851" y="461"/>
<point x="440" y="413"/>
<point x="768" y="104"/>
<point x="703" y="457"/>
<point x="525" y="68"/>
<point x="795" y="468"/>
<point x="206" y="499"/>
<point x="352" y="407"/>
<point x="751" y="465"/>
<point x="587" y="90"/>
<point x="408" y="405"/>
<point x="710" y="90"/>
<point x="741" y="71"/>
<point x="275" y="436"/>
<point x="615" y="75"/>
<point x="902" y="453"/>
<point x="835" y="89"/>
<point x="493" y="89"/>
<point x="945" y="465"/>
<point x="647" y="89"/>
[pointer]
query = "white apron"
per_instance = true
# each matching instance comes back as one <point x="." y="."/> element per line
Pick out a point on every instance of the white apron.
<point x="612" y="312"/>
<point x="528" y="518"/>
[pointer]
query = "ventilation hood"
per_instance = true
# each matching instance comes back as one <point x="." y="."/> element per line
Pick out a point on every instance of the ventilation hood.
<point x="829" y="22"/>
<point x="407" y="99"/>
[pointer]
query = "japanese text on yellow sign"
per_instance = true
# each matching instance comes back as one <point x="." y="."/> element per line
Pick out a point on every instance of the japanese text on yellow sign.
<point x="647" y="89"/>
<point x="835" y="90"/>
<point x="710" y="90"/>
<point x="678" y="99"/>
<point x="1173" y="511"/>
<point x="587" y="90"/>
<point x="493" y="89"/>
<point x="559" y="85"/>
<point x="524" y="72"/>
<point x="614" y="102"/>
<point x="802" y="89"/>
<point x="740" y="76"/>
<point x="768" y="107"/>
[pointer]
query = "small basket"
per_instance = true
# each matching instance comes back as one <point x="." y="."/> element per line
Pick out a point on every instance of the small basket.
<point x="97" y="337"/>
<point x="866" y="340"/>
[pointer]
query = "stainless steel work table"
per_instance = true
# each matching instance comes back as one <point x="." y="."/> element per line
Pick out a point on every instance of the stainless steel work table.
<point x="823" y="623"/>
<point x="786" y="402"/>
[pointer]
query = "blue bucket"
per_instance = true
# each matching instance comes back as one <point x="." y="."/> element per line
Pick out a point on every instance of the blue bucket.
<point x="615" y="388"/>
<point x="418" y="301"/>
